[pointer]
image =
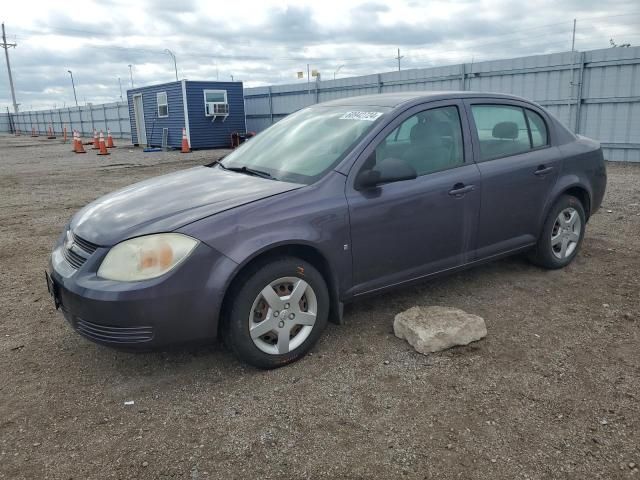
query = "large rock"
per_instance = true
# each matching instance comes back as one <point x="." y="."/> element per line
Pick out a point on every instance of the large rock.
<point x="431" y="329"/>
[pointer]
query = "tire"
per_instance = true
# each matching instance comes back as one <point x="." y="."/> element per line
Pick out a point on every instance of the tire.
<point x="261" y="327"/>
<point x="562" y="234"/>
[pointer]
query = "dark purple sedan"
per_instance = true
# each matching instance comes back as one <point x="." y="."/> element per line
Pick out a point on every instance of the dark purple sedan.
<point x="335" y="202"/>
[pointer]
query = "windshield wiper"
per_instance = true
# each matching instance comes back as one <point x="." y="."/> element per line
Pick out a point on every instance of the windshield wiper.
<point x="248" y="171"/>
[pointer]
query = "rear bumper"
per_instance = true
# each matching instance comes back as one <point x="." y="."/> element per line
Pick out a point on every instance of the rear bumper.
<point x="179" y="307"/>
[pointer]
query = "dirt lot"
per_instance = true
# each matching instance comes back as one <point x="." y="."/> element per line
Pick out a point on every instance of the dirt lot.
<point x="552" y="392"/>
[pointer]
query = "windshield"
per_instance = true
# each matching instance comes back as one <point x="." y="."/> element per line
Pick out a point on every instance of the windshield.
<point x="303" y="146"/>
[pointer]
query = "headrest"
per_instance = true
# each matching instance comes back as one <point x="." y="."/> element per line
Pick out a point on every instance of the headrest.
<point x="418" y="132"/>
<point x="442" y="129"/>
<point x="505" y="130"/>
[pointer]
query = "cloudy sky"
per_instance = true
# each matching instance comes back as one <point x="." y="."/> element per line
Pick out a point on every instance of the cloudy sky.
<point x="264" y="42"/>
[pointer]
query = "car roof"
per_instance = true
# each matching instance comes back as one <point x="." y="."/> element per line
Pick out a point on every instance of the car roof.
<point x="396" y="99"/>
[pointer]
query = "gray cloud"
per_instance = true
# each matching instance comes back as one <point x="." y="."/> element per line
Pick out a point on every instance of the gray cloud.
<point x="288" y="38"/>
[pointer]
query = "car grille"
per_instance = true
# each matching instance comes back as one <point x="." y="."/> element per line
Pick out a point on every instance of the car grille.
<point x="85" y="245"/>
<point x="79" y="251"/>
<point x="75" y="260"/>
<point x="113" y="335"/>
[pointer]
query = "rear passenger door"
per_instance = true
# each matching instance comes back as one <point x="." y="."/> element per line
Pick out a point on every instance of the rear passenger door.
<point x="518" y="165"/>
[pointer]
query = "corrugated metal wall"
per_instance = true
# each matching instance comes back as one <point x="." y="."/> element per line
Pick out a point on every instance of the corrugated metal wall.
<point x="206" y="133"/>
<point x="5" y="125"/>
<point x="595" y="93"/>
<point x="84" y="119"/>
<point x="154" y="124"/>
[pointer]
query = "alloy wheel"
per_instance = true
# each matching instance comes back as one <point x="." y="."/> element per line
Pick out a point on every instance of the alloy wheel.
<point x="565" y="233"/>
<point x="283" y="315"/>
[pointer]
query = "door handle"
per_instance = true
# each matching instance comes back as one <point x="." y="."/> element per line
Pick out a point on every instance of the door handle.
<point x="460" y="189"/>
<point x="542" y="170"/>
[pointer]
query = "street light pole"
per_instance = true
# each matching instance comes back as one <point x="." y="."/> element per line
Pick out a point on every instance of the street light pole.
<point x="131" y="74"/>
<point x="120" y="83"/>
<point x="175" y="65"/>
<point x="337" y="70"/>
<point x="73" y="84"/>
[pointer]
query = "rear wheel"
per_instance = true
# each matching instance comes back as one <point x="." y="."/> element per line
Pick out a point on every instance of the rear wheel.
<point x="561" y="235"/>
<point x="277" y="313"/>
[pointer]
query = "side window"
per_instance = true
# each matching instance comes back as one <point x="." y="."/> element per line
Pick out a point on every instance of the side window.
<point x="502" y="130"/>
<point x="429" y="141"/>
<point x="163" y="106"/>
<point x="401" y="134"/>
<point x="539" y="137"/>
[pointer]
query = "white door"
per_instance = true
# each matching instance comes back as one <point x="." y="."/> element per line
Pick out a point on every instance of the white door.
<point x="138" y="112"/>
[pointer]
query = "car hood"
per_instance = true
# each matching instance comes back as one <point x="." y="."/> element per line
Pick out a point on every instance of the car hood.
<point x="168" y="202"/>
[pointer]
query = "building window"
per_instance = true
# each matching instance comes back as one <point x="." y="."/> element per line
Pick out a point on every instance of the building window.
<point x="163" y="106"/>
<point x="215" y="103"/>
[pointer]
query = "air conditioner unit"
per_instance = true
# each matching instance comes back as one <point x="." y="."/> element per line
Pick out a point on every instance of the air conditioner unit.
<point x="216" y="110"/>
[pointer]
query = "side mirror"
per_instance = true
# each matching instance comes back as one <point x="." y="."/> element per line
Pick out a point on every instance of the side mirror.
<point x="388" y="170"/>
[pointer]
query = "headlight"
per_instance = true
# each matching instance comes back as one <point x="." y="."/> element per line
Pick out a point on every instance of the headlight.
<point x="146" y="257"/>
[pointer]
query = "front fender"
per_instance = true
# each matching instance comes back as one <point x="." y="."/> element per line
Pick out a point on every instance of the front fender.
<point x="315" y="216"/>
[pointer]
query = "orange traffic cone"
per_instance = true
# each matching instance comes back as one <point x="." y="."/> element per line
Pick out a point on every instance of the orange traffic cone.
<point x="96" y="141"/>
<point x="103" y="147"/>
<point x="76" y="140"/>
<point x="51" y="134"/>
<point x="110" y="139"/>
<point x="33" y="131"/>
<point x="79" y="147"/>
<point x="185" y="142"/>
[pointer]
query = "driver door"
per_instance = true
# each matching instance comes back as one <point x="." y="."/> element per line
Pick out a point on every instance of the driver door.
<point x="413" y="228"/>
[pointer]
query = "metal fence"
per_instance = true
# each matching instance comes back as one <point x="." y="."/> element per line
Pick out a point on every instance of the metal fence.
<point x="595" y="93"/>
<point x="5" y="125"/>
<point x="84" y="119"/>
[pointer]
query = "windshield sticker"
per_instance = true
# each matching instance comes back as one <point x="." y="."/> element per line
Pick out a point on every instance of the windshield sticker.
<point x="367" y="116"/>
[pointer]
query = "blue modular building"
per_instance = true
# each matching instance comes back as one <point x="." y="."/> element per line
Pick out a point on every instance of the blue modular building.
<point x="209" y="111"/>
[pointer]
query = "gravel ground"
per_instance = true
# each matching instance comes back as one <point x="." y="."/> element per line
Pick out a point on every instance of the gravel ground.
<point x="552" y="392"/>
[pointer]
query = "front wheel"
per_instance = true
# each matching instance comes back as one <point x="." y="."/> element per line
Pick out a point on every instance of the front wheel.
<point x="277" y="314"/>
<point x="561" y="234"/>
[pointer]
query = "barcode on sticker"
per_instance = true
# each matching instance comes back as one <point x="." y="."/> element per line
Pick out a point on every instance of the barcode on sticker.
<point x="367" y="116"/>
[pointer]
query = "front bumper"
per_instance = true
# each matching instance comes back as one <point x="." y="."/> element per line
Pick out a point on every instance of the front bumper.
<point x="181" y="306"/>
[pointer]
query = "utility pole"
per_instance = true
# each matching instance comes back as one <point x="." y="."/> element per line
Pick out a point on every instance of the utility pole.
<point x="131" y="74"/>
<point x="120" y="83"/>
<point x="6" y="47"/>
<point x="399" y="58"/>
<point x="573" y="37"/>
